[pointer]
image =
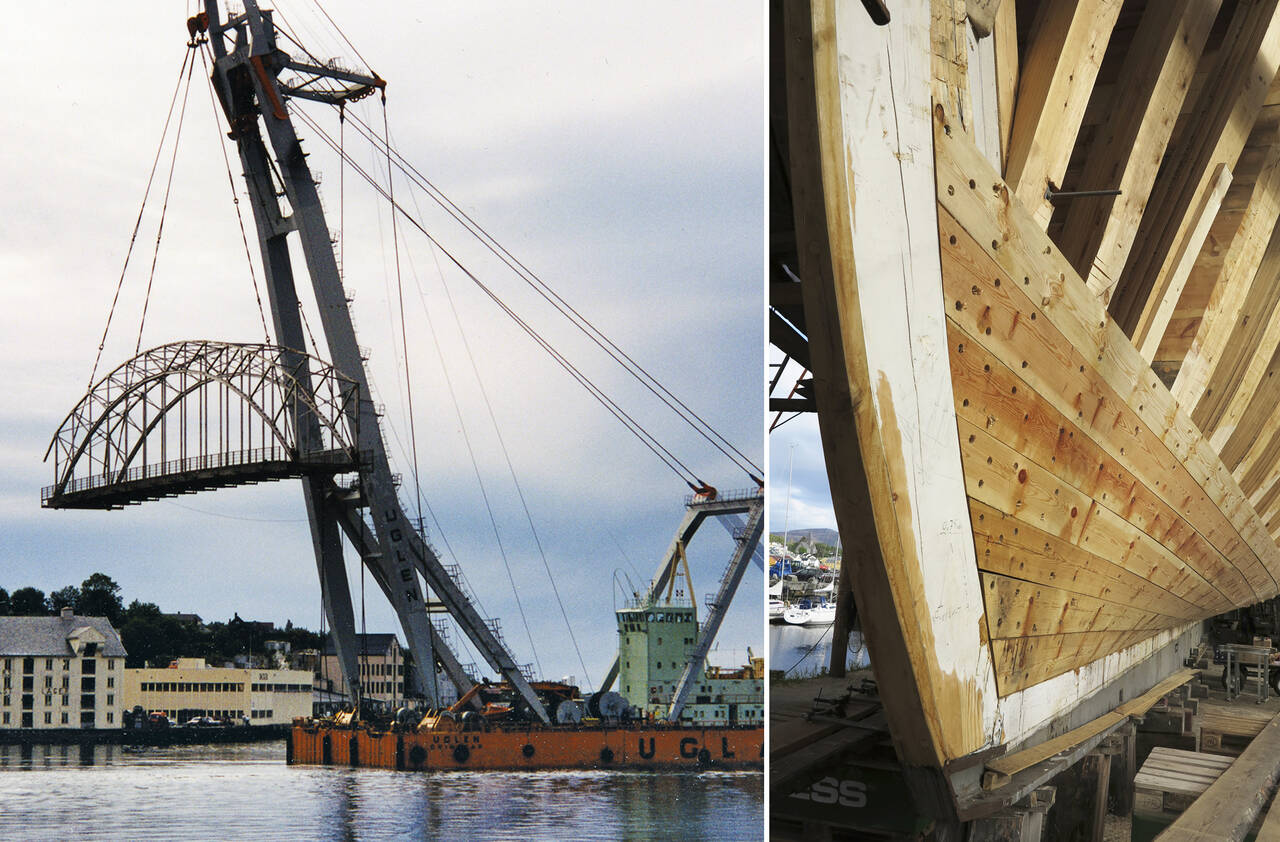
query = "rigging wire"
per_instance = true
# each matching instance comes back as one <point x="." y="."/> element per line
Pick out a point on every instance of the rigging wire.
<point x="503" y="445"/>
<point x="663" y="454"/>
<point x="164" y="208"/>
<point x="466" y="436"/>
<point x="343" y="35"/>
<point x="97" y="360"/>
<point x="601" y="340"/>
<point x="235" y="200"/>
<point x="567" y="310"/>
<point x="404" y="343"/>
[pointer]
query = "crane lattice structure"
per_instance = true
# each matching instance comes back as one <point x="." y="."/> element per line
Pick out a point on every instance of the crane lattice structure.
<point x="326" y="424"/>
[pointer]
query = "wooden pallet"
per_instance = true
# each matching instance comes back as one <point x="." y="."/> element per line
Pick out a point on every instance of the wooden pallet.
<point x="1218" y="722"/>
<point x="1171" y="779"/>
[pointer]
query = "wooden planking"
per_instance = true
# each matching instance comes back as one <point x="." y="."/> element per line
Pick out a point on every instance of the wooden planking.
<point x="1230" y="805"/>
<point x="1155" y="320"/>
<point x="991" y="395"/>
<point x="1003" y="479"/>
<point x="1228" y="302"/>
<point x="1060" y="64"/>
<point x="1025" y="661"/>
<point x="1008" y="546"/>
<point x="859" y="130"/>
<point x="1216" y="133"/>
<point x="1002" y="768"/>
<point x="1016" y="608"/>
<point x="1142" y="704"/>
<point x="1023" y="251"/>
<point x="1116" y="440"/>
<point x="1097" y="234"/>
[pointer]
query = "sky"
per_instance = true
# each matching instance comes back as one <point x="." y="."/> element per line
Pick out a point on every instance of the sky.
<point x="617" y="151"/>
<point x="800" y="497"/>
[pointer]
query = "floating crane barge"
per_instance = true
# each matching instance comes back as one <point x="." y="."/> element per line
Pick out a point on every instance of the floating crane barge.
<point x="649" y="725"/>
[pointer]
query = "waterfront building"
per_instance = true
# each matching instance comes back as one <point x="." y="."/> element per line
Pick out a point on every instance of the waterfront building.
<point x="189" y="687"/>
<point x="382" y="670"/>
<point x="60" y="672"/>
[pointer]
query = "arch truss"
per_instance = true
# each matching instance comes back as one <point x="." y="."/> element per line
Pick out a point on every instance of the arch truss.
<point x="199" y="414"/>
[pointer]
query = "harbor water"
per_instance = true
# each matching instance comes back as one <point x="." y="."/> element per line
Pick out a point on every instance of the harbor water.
<point x="246" y="791"/>
<point x="805" y="651"/>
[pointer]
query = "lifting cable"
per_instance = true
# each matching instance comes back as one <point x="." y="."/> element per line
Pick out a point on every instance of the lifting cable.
<point x="404" y="342"/>
<point x="164" y="208"/>
<point x="186" y="56"/>
<point x="567" y="310"/>
<point x="413" y="437"/>
<point x="669" y="459"/>
<point x="510" y="466"/>
<point x="235" y="200"/>
<point x="542" y="288"/>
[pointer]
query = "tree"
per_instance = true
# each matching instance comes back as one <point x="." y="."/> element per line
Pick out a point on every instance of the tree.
<point x="99" y="596"/>
<point x="5" y="608"/>
<point x="64" y="598"/>
<point x="28" y="602"/>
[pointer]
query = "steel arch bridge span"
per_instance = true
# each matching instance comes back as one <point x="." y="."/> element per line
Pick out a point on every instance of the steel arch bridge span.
<point x="193" y="415"/>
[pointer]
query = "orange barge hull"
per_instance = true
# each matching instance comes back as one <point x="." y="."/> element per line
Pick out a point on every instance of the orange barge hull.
<point x="587" y="748"/>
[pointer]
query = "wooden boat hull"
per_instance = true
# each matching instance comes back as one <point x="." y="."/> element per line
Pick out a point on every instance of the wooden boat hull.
<point x="1045" y="525"/>
<point x="533" y="749"/>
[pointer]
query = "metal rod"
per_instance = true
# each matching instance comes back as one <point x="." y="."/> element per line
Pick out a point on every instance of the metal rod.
<point x="1051" y="194"/>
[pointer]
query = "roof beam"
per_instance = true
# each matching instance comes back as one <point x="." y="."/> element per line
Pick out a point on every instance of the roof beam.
<point x="1234" y="294"/>
<point x="1061" y="64"/>
<point x="1215" y="134"/>
<point x="1097" y="234"/>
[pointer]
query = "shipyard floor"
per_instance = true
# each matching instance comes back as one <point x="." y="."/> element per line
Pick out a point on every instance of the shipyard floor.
<point x="815" y="723"/>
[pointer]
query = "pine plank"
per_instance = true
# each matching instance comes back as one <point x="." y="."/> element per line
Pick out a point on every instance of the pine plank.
<point x="1012" y="548"/>
<point x="991" y="308"/>
<point x="992" y="395"/>
<point x="1016" y="608"/>
<point x="1023" y="252"/>
<point x="1010" y="483"/>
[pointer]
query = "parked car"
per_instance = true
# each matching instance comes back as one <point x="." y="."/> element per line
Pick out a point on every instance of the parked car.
<point x="158" y="719"/>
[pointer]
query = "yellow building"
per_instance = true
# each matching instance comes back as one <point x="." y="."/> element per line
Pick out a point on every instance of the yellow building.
<point x="190" y="688"/>
<point x="60" y="672"/>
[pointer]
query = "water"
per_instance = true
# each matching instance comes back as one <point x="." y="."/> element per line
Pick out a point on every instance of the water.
<point x="803" y="651"/>
<point x="248" y="792"/>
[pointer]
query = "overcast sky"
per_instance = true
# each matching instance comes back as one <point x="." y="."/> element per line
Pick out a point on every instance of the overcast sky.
<point x="800" y="497"/>
<point x="617" y="151"/>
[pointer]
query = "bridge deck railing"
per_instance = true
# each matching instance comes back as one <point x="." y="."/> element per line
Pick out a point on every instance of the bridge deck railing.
<point x="203" y="462"/>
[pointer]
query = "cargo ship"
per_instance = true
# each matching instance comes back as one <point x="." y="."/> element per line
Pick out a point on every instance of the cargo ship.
<point x="489" y="729"/>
